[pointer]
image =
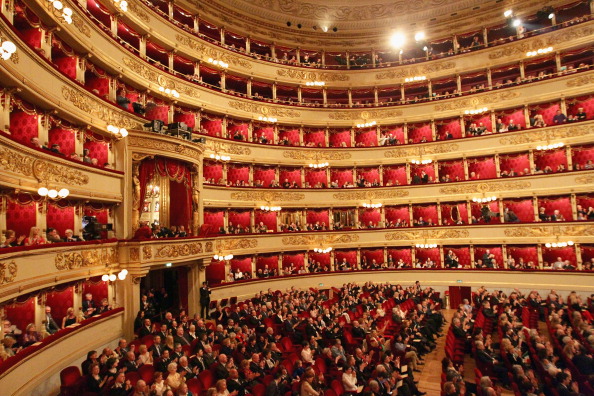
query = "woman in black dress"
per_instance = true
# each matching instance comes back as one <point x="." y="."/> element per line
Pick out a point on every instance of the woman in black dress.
<point x="95" y="381"/>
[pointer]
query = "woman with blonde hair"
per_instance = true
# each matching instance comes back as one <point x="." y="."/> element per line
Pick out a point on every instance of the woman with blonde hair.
<point x="306" y="388"/>
<point x="31" y="336"/>
<point x="144" y="357"/>
<point x="70" y="318"/>
<point x="169" y="344"/>
<point x="35" y="238"/>
<point x="174" y="379"/>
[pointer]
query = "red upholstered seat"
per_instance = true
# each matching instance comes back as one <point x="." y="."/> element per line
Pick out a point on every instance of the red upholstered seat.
<point x="213" y="170"/>
<point x="523" y="208"/>
<point x="366" y="137"/>
<point x="369" y="216"/>
<point x="292" y="175"/>
<point x="24" y="126"/>
<point x="400" y="253"/>
<point x="313" y="216"/>
<point x="264" y="130"/>
<point x="64" y="137"/>
<point x="244" y="264"/>
<point x="265" y="174"/>
<point x="146" y="372"/>
<point x="395" y="213"/>
<point x="215" y="218"/>
<point x="342" y="176"/>
<point x="194" y="386"/>
<point x="296" y="260"/>
<point x="433" y="254"/>
<point x="427" y="212"/>
<point x="519" y="163"/>
<point x="315" y="176"/>
<point x="239" y="217"/>
<point x="239" y="173"/>
<point x="453" y="169"/>
<point x="450" y="126"/>
<point x="562" y="204"/>
<point x="70" y="381"/>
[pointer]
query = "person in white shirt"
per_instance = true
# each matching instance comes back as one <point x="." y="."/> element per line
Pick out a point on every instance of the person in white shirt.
<point x="349" y="381"/>
<point x="306" y="354"/>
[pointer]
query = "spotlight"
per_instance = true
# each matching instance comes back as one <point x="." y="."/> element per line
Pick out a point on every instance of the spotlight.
<point x="288" y="23"/>
<point x="397" y="40"/>
<point x="335" y="29"/>
<point x="298" y="26"/>
<point x="517" y="22"/>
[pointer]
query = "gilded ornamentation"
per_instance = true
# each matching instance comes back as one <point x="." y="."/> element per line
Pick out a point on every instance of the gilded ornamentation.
<point x="405" y="152"/>
<point x="481" y="100"/>
<point x="226" y="148"/>
<point x="42" y="170"/>
<point x="15" y="58"/>
<point x="138" y="11"/>
<point x="265" y="110"/>
<point x="267" y="196"/>
<point x="316" y="155"/>
<point x="179" y="250"/>
<point x="95" y="109"/>
<point x="545" y="135"/>
<point x="134" y="254"/>
<point x="426" y="234"/>
<point x="312" y="75"/>
<point x="82" y="27"/>
<point x="235" y="244"/>
<point x="155" y="77"/>
<point x="86" y="258"/>
<point x="147" y="253"/>
<point x="319" y="239"/>
<point x="369" y="195"/>
<point x="8" y="272"/>
<point x="211" y="52"/>
<point x="585" y="179"/>
<point x="581" y="80"/>
<point x="364" y="115"/>
<point x="548" y="231"/>
<point x="165" y="147"/>
<point x="415" y="70"/>
<point x="485" y="187"/>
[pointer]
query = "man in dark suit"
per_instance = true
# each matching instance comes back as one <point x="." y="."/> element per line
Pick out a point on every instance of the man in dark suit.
<point x="273" y="388"/>
<point x="204" y="299"/>
<point x="180" y="337"/>
<point x="50" y="324"/>
<point x="88" y="305"/>
<point x="234" y="383"/>
<point x="198" y="360"/>
<point x="146" y="329"/>
<point x="186" y="370"/>
<point x="566" y="387"/>
<point x="584" y="363"/>
<point x="222" y="370"/>
<point x="130" y="362"/>
<point x="484" y="357"/>
<point x="156" y="349"/>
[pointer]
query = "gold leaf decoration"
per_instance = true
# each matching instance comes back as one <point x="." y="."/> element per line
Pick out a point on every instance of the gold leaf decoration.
<point x="235" y="244"/>
<point x="477" y="101"/>
<point x="153" y="76"/>
<point x="312" y="75"/>
<point x="316" y="155"/>
<point x="585" y="179"/>
<point x="547" y="231"/>
<point x="147" y="252"/>
<point x="179" y="250"/>
<point x="580" y="81"/>
<point x="369" y="195"/>
<point x="267" y="196"/>
<point x="415" y="70"/>
<point x="406" y="152"/>
<point x="211" y="52"/>
<point x="8" y="272"/>
<point x="485" y="187"/>
<point x="86" y="258"/>
<point x="226" y="148"/>
<point x="138" y="11"/>
<point x="364" y="115"/>
<point x="548" y="134"/>
<point x="426" y="234"/>
<point x="78" y="23"/>
<point x="319" y="239"/>
<point x="265" y="110"/>
<point x="14" y="58"/>
<point x="165" y="147"/>
<point x="134" y="254"/>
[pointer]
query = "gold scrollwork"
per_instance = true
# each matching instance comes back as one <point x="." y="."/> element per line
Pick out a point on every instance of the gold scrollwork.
<point x="368" y="195"/>
<point x="267" y="196"/>
<point x="261" y="109"/>
<point x="86" y="258"/>
<point x="82" y="27"/>
<point x="485" y="187"/>
<point x="580" y="81"/>
<point x="311" y="75"/>
<point x="547" y="231"/>
<point x="160" y="79"/>
<point x="364" y="115"/>
<point x="221" y="147"/>
<point x="8" y="272"/>
<point x="426" y="234"/>
<point x="585" y="179"/>
<point x="235" y="244"/>
<point x="138" y="11"/>
<point x="543" y="135"/>
<point x="179" y="250"/>
<point x="404" y="152"/>
<point x="134" y="254"/>
<point x="166" y="147"/>
<point x="316" y="155"/>
<point x="415" y="70"/>
<point x="147" y="252"/>
<point x="477" y="101"/>
<point x="319" y="239"/>
<point x="209" y="52"/>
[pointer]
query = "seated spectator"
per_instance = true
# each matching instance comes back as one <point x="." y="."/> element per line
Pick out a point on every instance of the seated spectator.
<point x="559" y="118"/>
<point x="53" y="236"/>
<point x="11" y="240"/>
<point x="35" y="238"/>
<point x="70" y="237"/>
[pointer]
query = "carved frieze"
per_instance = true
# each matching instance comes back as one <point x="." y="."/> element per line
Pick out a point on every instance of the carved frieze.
<point x="580" y="81"/>
<point x="548" y="231"/>
<point x="179" y="250"/>
<point x="369" y="195"/>
<point x="86" y="258"/>
<point x="151" y="74"/>
<point x="262" y="109"/>
<point x="226" y="245"/>
<point x="226" y="148"/>
<point x="147" y="252"/>
<point x="134" y="254"/>
<point x="548" y="134"/>
<point x="426" y="234"/>
<point x="364" y="115"/>
<point x="267" y="196"/>
<point x="78" y="22"/>
<point x="312" y="75"/>
<point x="485" y="187"/>
<point x="585" y="179"/>
<point x="316" y="155"/>
<point x="138" y="11"/>
<point x="211" y="52"/>
<point x="415" y="70"/>
<point x="165" y="147"/>
<point x="8" y="272"/>
<point x="406" y="152"/>
<point x="319" y="240"/>
<point x="477" y="101"/>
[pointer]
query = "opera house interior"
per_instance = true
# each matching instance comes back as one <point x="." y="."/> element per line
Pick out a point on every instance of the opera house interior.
<point x="296" y="197"/>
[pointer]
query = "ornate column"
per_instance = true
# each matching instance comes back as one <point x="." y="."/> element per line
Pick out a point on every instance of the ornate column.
<point x="531" y="161"/>
<point x="504" y="254"/>
<point x="527" y="116"/>
<point x="573" y="206"/>
<point x="441" y="255"/>
<point x="569" y="155"/>
<point x="540" y="260"/>
<point x="522" y="70"/>
<point x="3" y="203"/>
<point x="439" y="218"/>
<point x="274" y="91"/>
<point x="471" y="256"/>
<point x="327" y="137"/>
<point x="381" y="175"/>
<point x="501" y="210"/>
<point x="405" y="133"/>
<point x="489" y="78"/>
<point x="465" y="163"/>
<point x="558" y="62"/>
<point x="350" y="94"/>
<point x="497" y="166"/>
<point x="197" y="203"/>
<point x="535" y="208"/>
<point x="8" y="10"/>
<point x="408" y="176"/>
<point x="578" y="256"/>
<point x="249" y="87"/>
<point x="469" y="210"/>
<point x="375" y="95"/>
<point x="410" y="215"/>
<point x="196" y="275"/>
<point x="324" y="97"/>
<point x="462" y="126"/>
<point x="128" y="295"/>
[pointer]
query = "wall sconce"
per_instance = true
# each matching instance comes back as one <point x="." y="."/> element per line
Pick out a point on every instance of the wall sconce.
<point x="119" y="133"/>
<point x="476" y="111"/>
<point x="53" y="193"/>
<point x="218" y="157"/>
<point x="485" y="199"/>
<point x="7" y="49"/>
<point x="319" y="165"/>
<point x="217" y="62"/>
<point x="426" y="245"/>
<point x="550" y="146"/>
<point x="540" y="51"/>
<point x="172" y="93"/>
<point x="322" y="250"/>
<point x="121" y="5"/>
<point x="59" y="10"/>
<point x="421" y="161"/>
<point x="371" y="205"/>
<point x="267" y="208"/>
<point x="221" y="257"/>
<point x="315" y="83"/>
<point x="559" y="244"/>
<point x="367" y="124"/>
<point x="112" y="277"/>
<point x="267" y="119"/>
<point x="416" y="78"/>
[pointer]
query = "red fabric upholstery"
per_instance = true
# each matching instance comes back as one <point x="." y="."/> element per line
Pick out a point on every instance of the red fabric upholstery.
<point x="452" y="126"/>
<point x="292" y="135"/>
<point x="428" y="169"/>
<point x="239" y="217"/>
<point x="342" y="175"/>
<point x="475" y="211"/>
<point x="446" y="213"/>
<point x="102" y="214"/>
<point x="215" y="218"/>
<point x="350" y="255"/>
<point x="587" y="252"/>
<point x="292" y="175"/>
<point x="215" y="272"/>
<point x="312" y="216"/>
<point x="265" y="174"/>
<point x="523" y="208"/>
<point x="212" y="127"/>
<point x="483" y="167"/>
<point x="550" y="255"/>
<point x="20" y="218"/>
<point x="268" y="218"/>
<point x="423" y="254"/>
<point x="24" y="126"/>
<point x="400" y="253"/>
<point x="297" y="260"/>
<point x="369" y="174"/>
<point x="158" y="112"/>
<point x="393" y="213"/>
<point x="454" y="169"/>
<point x="463" y="254"/>
<point x="31" y="36"/>
<point x="267" y="260"/>
<point x="67" y="65"/>
<point x="315" y="176"/>
<point x="322" y="258"/>
<point x="517" y="115"/>
<point x="266" y="131"/>
<point x="563" y="204"/>
<point x="396" y="131"/>
<point x="97" y="150"/>
<point x="239" y="172"/>
<point x="366" y="138"/>
<point x="484" y="119"/>
<point x="64" y="137"/>
<point x="373" y="254"/>
<point x="396" y="174"/>
<point x="529" y="253"/>
<point x="233" y="128"/>
<point x="101" y="84"/>
<point x="97" y="288"/>
<point x="416" y="133"/>
<point x="213" y="170"/>
<point x="21" y="314"/>
<point x="188" y="118"/>
<point x="60" y="218"/>
<point x="244" y="264"/>
<point x="586" y="102"/>
<point x="318" y="138"/>
<point x="427" y="212"/>
<point x="518" y="163"/>
<point x="552" y="159"/>
<point x="479" y="251"/>
<point x="369" y="215"/>
<point x="60" y="301"/>
<point x="547" y="110"/>
<point x="340" y="138"/>
<point x="581" y="155"/>
<point x="586" y="201"/>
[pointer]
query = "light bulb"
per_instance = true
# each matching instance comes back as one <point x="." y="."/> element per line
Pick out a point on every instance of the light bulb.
<point x="216" y="257"/>
<point x="517" y="22"/>
<point x="112" y="277"/>
<point x="121" y="276"/>
<point x="67" y="11"/>
<point x="63" y="193"/>
<point x="125" y="271"/>
<point x="570" y="243"/>
<point x="548" y="245"/>
<point x="42" y="191"/>
<point x="123" y="132"/>
<point x="105" y="278"/>
<point x="420" y="36"/>
<point x="52" y="193"/>
<point x="9" y="47"/>
<point x="58" y="5"/>
<point x="397" y="40"/>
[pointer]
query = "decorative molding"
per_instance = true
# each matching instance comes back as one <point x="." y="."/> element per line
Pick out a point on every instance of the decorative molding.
<point x="426" y="234"/>
<point x="8" y="272"/>
<point x="474" y="102"/>
<point x="417" y="151"/>
<point x="544" y="135"/>
<point x="147" y="252"/>
<point x="134" y="254"/>
<point x="176" y="149"/>
<point x="179" y="250"/>
<point x="150" y="74"/>
<point x="86" y="258"/>
<point x="319" y="240"/>
<point x="585" y="179"/>
<point x="415" y="70"/>
<point x="138" y="11"/>
<point x="369" y="195"/>
<point x="312" y="75"/>
<point x="235" y="244"/>
<point x="42" y="170"/>
<point x="580" y="81"/>
<point x="210" y="52"/>
<point x="550" y="231"/>
<point x="267" y="196"/>
<point x="485" y="187"/>
<point x="265" y="110"/>
<point x="222" y="147"/>
<point x="95" y="109"/>
<point x="78" y="22"/>
<point x="316" y="155"/>
<point x="14" y="58"/>
<point x="364" y="115"/>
